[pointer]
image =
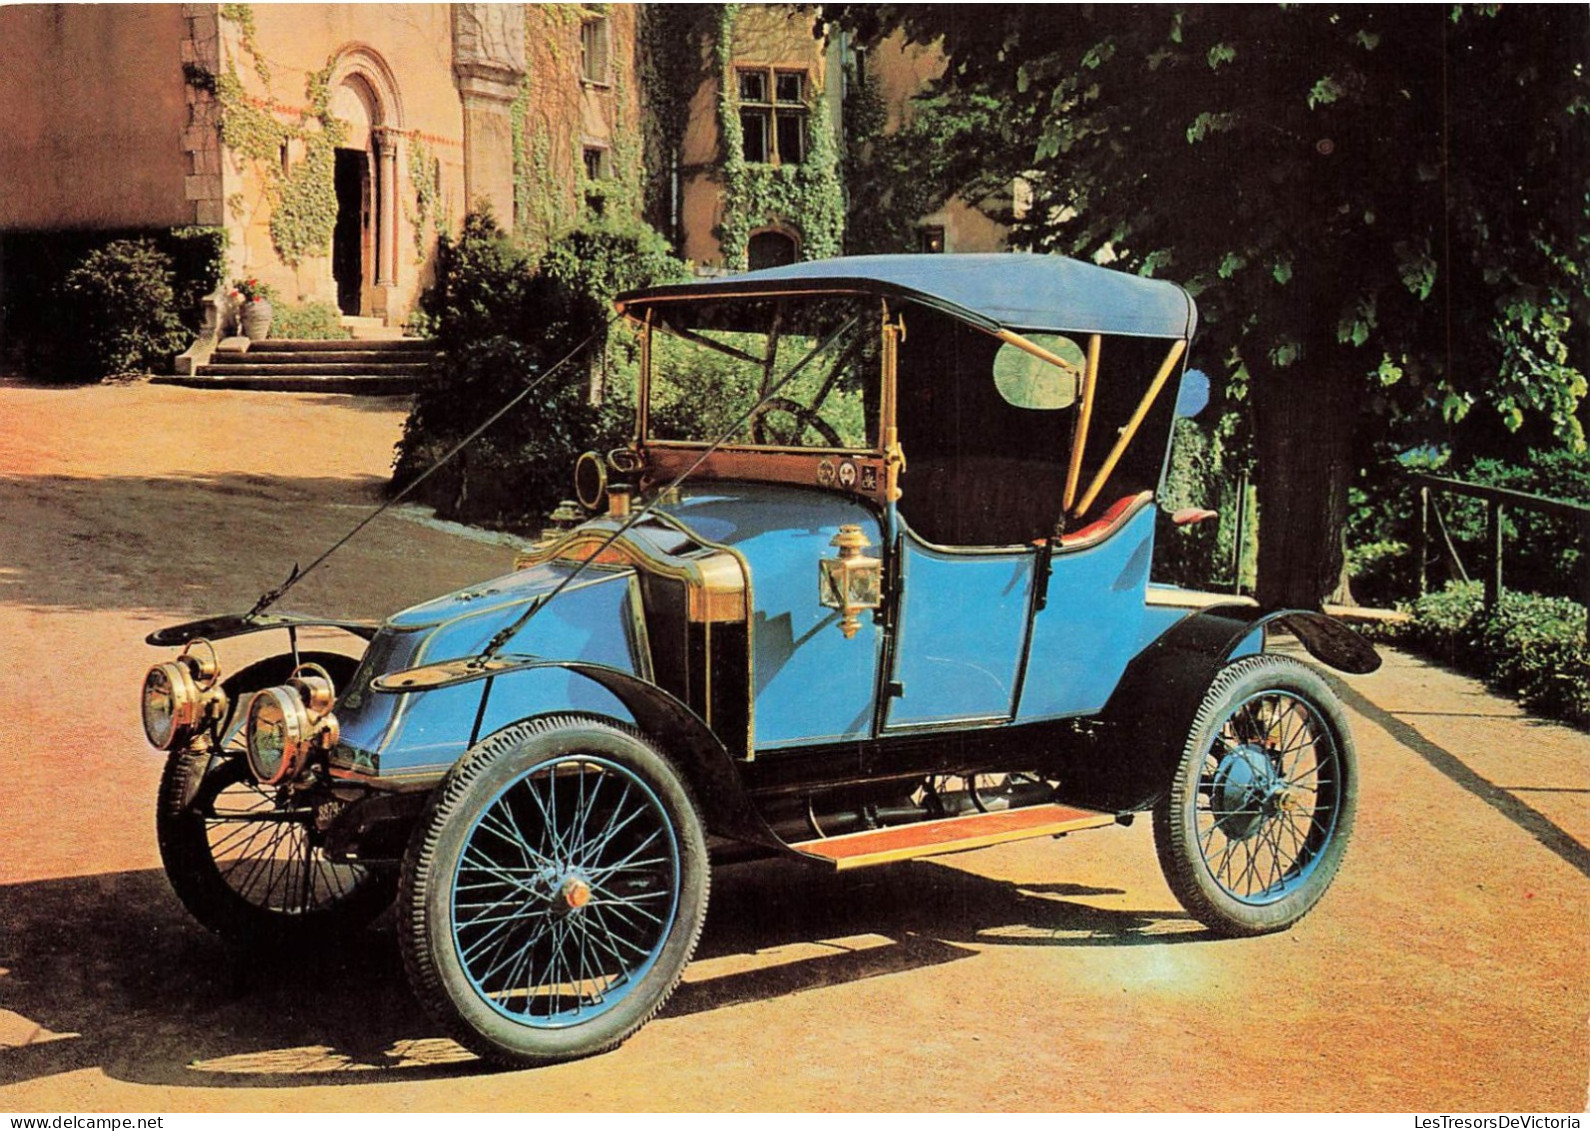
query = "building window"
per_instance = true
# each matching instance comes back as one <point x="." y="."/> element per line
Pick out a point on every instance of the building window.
<point x="594" y="51"/>
<point x="930" y="238"/>
<point x="596" y="167"/>
<point x="773" y="116"/>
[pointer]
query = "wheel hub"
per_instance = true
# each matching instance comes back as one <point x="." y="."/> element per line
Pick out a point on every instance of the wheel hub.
<point x="1245" y="791"/>
<point x="575" y="892"/>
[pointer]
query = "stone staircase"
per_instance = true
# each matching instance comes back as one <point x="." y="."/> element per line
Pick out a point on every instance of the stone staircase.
<point x="369" y="367"/>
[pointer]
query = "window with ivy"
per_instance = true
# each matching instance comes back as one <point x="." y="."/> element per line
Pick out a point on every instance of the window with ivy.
<point x="596" y="165"/>
<point x="773" y="115"/>
<point x="595" y="51"/>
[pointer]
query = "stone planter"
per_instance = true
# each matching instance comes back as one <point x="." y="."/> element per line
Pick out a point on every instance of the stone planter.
<point x="256" y="319"/>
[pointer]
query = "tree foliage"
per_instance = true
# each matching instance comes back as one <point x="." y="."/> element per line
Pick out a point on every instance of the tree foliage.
<point x="1381" y="211"/>
<point x="502" y="321"/>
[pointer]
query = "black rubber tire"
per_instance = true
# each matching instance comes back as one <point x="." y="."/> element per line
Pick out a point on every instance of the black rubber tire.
<point x="279" y="888"/>
<point x="483" y="785"/>
<point x="1305" y="870"/>
<point x="227" y="895"/>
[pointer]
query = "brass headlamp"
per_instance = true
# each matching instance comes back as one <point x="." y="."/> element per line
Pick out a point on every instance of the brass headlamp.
<point x="289" y="724"/>
<point x="851" y="582"/>
<point x="183" y="697"/>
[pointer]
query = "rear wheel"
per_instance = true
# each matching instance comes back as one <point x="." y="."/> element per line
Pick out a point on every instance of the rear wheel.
<point x="554" y="891"/>
<point x="1261" y="807"/>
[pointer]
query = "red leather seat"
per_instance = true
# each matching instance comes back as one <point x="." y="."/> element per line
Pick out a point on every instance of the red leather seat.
<point x="1107" y="523"/>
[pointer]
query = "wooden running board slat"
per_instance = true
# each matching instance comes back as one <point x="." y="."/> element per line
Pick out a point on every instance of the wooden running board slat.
<point x="951" y="834"/>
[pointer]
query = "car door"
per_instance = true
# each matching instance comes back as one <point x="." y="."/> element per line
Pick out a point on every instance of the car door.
<point x="960" y="634"/>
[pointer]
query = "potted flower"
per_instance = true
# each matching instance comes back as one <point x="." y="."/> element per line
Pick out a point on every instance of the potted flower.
<point x="253" y="299"/>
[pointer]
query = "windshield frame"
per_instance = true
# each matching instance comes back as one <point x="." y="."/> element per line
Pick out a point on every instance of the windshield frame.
<point x="877" y="442"/>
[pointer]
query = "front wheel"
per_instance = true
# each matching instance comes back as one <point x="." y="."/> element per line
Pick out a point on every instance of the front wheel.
<point x="246" y="859"/>
<point x="554" y="891"/>
<point x="1261" y="806"/>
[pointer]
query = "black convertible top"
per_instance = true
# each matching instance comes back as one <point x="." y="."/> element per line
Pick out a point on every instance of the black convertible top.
<point x="995" y="291"/>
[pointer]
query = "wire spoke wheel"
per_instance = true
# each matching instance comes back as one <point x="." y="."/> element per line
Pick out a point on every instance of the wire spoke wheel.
<point x="565" y="892"/>
<point x="247" y="863"/>
<point x="1261" y="807"/>
<point x="245" y="859"/>
<point x="1268" y="797"/>
<point x="554" y="891"/>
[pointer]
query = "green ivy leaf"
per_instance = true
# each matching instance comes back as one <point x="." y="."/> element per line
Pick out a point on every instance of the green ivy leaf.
<point x="1221" y="53"/>
<point x="1325" y="91"/>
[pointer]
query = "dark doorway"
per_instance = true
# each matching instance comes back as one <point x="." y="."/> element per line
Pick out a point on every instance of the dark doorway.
<point x="347" y="241"/>
<point x="770" y="249"/>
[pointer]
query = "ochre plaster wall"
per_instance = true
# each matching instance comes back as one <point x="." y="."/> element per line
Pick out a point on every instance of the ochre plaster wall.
<point x="770" y="35"/>
<point x="414" y="41"/>
<point x="92" y="105"/>
<point x="902" y="69"/>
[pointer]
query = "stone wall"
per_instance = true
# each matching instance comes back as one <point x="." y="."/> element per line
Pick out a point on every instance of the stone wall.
<point x="94" y="99"/>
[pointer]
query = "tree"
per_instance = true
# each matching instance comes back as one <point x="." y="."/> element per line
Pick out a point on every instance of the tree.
<point x="1382" y="212"/>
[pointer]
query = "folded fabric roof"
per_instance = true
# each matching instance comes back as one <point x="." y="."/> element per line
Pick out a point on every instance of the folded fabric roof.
<point x="995" y="291"/>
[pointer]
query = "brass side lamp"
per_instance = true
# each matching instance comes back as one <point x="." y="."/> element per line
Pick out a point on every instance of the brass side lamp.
<point x="851" y="582"/>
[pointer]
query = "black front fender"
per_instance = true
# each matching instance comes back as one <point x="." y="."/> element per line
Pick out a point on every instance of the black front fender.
<point x="702" y="758"/>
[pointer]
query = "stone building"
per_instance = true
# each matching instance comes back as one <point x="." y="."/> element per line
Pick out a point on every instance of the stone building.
<point x="334" y="143"/>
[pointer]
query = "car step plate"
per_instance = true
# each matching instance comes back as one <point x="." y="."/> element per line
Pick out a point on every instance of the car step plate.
<point x="951" y="834"/>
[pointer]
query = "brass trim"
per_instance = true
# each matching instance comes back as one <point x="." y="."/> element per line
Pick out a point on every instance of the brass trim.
<point x="771" y="449"/>
<point x="1177" y="348"/>
<point x="643" y="393"/>
<point x="1032" y="347"/>
<point x="727" y="551"/>
<point x="716" y="583"/>
<point x="1079" y="434"/>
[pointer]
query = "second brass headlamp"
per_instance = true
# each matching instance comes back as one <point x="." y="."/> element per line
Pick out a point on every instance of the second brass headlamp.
<point x="287" y="725"/>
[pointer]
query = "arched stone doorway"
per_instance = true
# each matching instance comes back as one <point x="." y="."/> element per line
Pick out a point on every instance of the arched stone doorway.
<point x="364" y="242"/>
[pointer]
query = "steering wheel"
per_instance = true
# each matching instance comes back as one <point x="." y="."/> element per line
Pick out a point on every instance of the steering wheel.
<point x="792" y="430"/>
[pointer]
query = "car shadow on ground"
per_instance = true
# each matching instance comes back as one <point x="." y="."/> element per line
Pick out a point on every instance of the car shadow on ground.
<point x="127" y="544"/>
<point x="107" y="972"/>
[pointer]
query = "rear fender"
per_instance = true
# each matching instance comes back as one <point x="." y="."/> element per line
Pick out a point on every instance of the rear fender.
<point x="1148" y="717"/>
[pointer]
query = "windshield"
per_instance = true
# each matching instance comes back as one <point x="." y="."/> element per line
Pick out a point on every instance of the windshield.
<point x="787" y="372"/>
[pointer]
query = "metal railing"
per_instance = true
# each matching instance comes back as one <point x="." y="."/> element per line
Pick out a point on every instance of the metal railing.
<point x="1497" y="500"/>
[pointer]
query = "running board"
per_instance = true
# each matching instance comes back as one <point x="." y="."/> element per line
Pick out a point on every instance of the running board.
<point x="950" y="834"/>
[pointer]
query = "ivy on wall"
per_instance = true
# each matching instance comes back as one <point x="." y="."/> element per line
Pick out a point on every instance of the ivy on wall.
<point x="424" y="216"/>
<point x="552" y="192"/>
<point x="302" y="194"/>
<point x="808" y="197"/>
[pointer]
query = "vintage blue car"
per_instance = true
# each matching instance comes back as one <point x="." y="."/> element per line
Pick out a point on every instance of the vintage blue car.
<point x="870" y="583"/>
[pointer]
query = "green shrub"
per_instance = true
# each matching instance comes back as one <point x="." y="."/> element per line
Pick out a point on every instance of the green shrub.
<point x="1534" y="648"/>
<point x="46" y="328"/>
<point x="1542" y="552"/>
<point x="1381" y="572"/>
<point x="1531" y="647"/>
<point x="123" y="298"/>
<point x="318" y="321"/>
<point x="502" y="321"/>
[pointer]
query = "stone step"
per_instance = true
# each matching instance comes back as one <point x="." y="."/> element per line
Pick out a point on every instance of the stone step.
<point x="325" y="357"/>
<point x="275" y="368"/>
<point x="366" y="385"/>
<point x="370" y="329"/>
<point x="334" y="345"/>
